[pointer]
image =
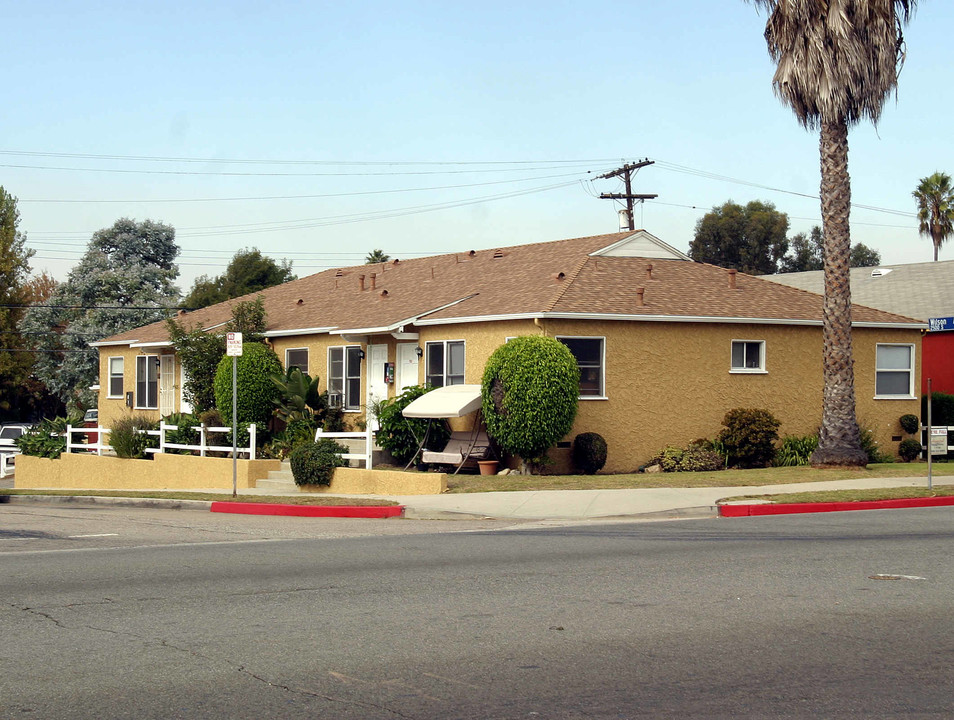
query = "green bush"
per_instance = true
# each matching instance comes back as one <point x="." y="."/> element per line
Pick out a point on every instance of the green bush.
<point x="697" y="457"/>
<point x="400" y="435"/>
<point x="315" y="463"/>
<point x="796" y="450"/>
<point x="910" y="423"/>
<point x="126" y="439"/>
<point x="870" y="446"/>
<point x="48" y="439"/>
<point x="749" y="436"/>
<point x="589" y="452"/>
<point x="255" y="389"/>
<point x="297" y="432"/>
<point x="530" y="391"/>
<point x="942" y="409"/>
<point x="909" y="449"/>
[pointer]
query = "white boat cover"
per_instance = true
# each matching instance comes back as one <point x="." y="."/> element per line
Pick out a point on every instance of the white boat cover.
<point x="445" y="402"/>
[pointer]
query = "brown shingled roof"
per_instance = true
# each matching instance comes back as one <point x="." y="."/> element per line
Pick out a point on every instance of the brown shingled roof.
<point x="542" y="278"/>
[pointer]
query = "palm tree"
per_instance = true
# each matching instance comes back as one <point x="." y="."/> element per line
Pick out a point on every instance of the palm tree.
<point x="376" y="256"/>
<point x="935" y="198"/>
<point x="837" y="62"/>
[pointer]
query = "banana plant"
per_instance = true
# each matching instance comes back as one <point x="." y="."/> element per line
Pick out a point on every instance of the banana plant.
<point x="299" y="398"/>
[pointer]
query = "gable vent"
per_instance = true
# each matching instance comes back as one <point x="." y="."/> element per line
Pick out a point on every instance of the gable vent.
<point x="880" y="272"/>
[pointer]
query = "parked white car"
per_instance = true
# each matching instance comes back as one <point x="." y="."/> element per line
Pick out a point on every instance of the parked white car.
<point x="10" y="432"/>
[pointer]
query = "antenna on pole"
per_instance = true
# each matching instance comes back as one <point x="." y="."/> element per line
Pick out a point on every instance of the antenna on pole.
<point x="626" y="172"/>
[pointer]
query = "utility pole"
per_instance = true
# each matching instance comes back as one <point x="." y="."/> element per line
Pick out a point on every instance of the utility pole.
<point x="626" y="172"/>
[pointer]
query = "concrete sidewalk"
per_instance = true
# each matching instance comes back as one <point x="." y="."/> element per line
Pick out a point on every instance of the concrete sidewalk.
<point x="570" y="505"/>
<point x="645" y="503"/>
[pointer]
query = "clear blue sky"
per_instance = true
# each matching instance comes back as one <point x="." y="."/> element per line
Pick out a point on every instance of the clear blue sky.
<point x="367" y="92"/>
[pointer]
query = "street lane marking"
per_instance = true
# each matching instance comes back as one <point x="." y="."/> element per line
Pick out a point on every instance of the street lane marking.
<point x="95" y="535"/>
<point x="896" y="577"/>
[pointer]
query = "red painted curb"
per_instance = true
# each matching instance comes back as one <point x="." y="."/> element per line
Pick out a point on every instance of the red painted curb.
<point x="348" y="511"/>
<point x="792" y="508"/>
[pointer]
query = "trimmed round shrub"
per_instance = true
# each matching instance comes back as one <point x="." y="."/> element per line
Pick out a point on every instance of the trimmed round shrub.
<point x="749" y="436"/>
<point x="315" y="463"/>
<point x="255" y="389"/>
<point x="909" y="450"/>
<point x="530" y="391"/>
<point x="589" y="452"/>
<point x="400" y="435"/>
<point x="910" y="423"/>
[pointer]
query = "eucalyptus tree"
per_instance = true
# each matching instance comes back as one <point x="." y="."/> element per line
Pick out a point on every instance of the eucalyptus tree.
<point x="836" y="64"/>
<point x="935" y="198"/>
<point x="124" y="280"/>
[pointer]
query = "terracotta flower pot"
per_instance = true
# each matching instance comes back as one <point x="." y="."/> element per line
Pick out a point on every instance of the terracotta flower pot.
<point x="487" y="467"/>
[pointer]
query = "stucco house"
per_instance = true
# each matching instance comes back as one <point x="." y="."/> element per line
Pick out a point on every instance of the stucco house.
<point x="919" y="290"/>
<point x="665" y="345"/>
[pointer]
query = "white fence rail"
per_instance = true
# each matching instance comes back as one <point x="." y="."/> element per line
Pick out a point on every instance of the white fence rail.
<point x="203" y="448"/>
<point x="5" y="457"/>
<point x="367" y="436"/>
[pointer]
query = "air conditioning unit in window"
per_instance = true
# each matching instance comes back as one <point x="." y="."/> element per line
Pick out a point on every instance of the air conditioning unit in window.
<point x="334" y="400"/>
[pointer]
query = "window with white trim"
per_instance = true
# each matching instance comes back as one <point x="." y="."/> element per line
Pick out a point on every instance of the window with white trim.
<point x="444" y="363"/>
<point x="115" y="387"/>
<point x="296" y="357"/>
<point x="344" y="376"/>
<point x="590" y="356"/>
<point x="748" y="356"/>
<point x="894" y="371"/>
<point x="147" y="382"/>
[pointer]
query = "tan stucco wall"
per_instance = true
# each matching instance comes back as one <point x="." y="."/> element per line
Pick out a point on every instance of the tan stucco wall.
<point x="164" y="472"/>
<point x="111" y="409"/>
<point x="358" y="481"/>
<point x="665" y="383"/>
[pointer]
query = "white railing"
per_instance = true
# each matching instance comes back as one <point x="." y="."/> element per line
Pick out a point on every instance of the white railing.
<point x="5" y="457"/>
<point x="202" y="447"/>
<point x="367" y="436"/>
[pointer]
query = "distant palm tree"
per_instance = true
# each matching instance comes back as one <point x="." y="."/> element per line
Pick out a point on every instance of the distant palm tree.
<point x="935" y="198"/>
<point x="836" y="64"/>
<point x="376" y="256"/>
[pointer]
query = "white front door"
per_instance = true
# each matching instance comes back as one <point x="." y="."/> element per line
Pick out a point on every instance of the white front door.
<point x="184" y="405"/>
<point x="377" y="385"/>
<point x="406" y="367"/>
<point x="167" y="382"/>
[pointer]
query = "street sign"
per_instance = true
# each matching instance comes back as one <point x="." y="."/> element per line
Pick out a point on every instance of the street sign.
<point x="233" y="344"/>
<point x="938" y="441"/>
<point x="940" y="324"/>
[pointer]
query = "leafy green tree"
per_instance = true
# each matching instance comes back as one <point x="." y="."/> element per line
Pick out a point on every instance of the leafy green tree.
<point x="836" y="65"/>
<point x="935" y="198"/>
<point x="15" y="361"/>
<point x="750" y="238"/>
<point x="863" y="256"/>
<point x="530" y="391"/>
<point x="808" y="253"/>
<point x="254" y="389"/>
<point x="124" y="280"/>
<point x="376" y="256"/>
<point x="200" y="351"/>
<point x="248" y="272"/>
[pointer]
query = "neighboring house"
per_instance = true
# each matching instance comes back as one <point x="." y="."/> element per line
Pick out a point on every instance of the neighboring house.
<point x="919" y="290"/>
<point x="665" y="345"/>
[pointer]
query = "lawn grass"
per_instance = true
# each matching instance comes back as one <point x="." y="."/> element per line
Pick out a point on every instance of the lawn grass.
<point x="722" y="478"/>
<point x="897" y="493"/>
<point x="214" y="497"/>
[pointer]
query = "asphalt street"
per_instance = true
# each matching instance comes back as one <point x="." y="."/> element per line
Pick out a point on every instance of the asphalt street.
<point x="177" y="615"/>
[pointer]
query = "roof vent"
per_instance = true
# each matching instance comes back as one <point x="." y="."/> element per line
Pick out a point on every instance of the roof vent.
<point x="384" y="293"/>
<point x="374" y="280"/>
<point x="880" y="272"/>
<point x="395" y="262"/>
<point x="498" y="254"/>
<point x="472" y="253"/>
<point x="639" y="296"/>
<point x="361" y="281"/>
<point x="339" y="273"/>
<point x="732" y="273"/>
<point x="559" y="276"/>
<point x="300" y="302"/>
<point x="649" y="271"/>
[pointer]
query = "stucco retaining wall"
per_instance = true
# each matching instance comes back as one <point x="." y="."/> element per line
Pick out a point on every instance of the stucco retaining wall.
<point x="358" y="481"/>
<point x="164" y="472"/>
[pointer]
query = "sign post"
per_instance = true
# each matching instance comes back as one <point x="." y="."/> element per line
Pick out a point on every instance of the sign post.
<point x="233" y="349"/>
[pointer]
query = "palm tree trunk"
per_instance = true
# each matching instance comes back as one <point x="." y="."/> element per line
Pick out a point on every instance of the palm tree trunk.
<point x="839" y="441"/>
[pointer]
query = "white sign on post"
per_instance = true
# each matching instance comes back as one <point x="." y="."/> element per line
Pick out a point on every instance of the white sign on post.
<point x="938" y="443"/>
<point x="233" y="344"/>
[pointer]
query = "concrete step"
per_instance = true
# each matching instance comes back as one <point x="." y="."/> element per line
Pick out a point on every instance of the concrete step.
<point x="279" y="481"/>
